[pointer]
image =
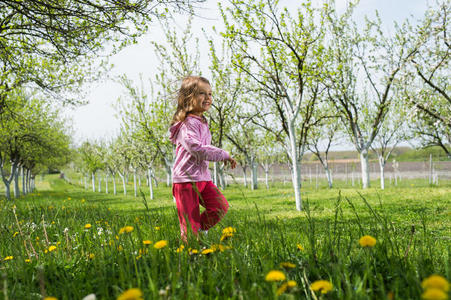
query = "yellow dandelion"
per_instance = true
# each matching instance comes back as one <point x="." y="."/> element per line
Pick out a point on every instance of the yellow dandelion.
<point x="282" y="289"/>
<point x="69" y="198"/>
<point x="27" y="260"/>
<point x="50" y="298"/>
<point x="160" y="244"/>
<point x="147" y="242"/>
<point x="434" y="294"/>
<point x="367" y="241"/>
<point x="138" y="257"/>
<point x="83" y="200"/>
<point x="15" y="233"/>
<point x="275" y="275"/>
<point x="193" y="251"/>
<point x="226" y="236"/>
<point x="287" y="265"/>
<point x="292" y="283"/>
<point x="131" y="294"/>
<point x="285" y="286"/>
<point x="52" y="248"/>
<point x="228" y="230"/>
<point x="157" y="228"/>
<point x="8" y="258"/>
<point x="207" y="251"/>
<point x="435" y="282"/>
<point x="91" y="256"/>
<point x="180" y="249"/>
<point x="321" y="285"/>
<point x="300" y="248"/>
<point x="126" y="229"/>
<point x="88" y="226"/>
<point x="120" y="248"/>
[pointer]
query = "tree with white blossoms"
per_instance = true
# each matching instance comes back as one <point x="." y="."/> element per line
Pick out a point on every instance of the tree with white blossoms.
<point x="146" y="117"/>
<point x="281" y="52"/>
<point x="92" y="159"/>
<point x="269" y="152"/>
<point x="247" y="142"/>
<point x="393" y="130"/>
<point x="32" y="135"/>
<point x="54" y="46"/>
<point x="226" y="90"/>
<point x="428" y="76"/>
<point x="322" y="136"/>
<point x="363" y="67"/>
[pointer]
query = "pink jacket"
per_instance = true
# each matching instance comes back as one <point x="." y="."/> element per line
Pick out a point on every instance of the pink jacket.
<point x="193" y="150"/>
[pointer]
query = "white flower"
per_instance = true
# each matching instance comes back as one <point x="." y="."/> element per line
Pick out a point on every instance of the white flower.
<point x="90" y="297"/>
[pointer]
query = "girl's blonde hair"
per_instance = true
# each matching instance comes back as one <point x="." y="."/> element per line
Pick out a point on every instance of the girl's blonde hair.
<point x="185" y="97"/>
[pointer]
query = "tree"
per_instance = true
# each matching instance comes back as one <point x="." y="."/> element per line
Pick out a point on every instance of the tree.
<point x="429" y="77"/>
<point x="226" y="88"/>
<point x="321" y="139"/>
<point x="31" y="134"/>
<point x="52" y="44"/>
<point x="362" y="72"/>
<point x="92" y="159"/>
<point x="281" y="54"/>
<point x="393" y="130"/>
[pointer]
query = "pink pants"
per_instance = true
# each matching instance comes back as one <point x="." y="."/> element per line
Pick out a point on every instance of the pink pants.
<point x="188" y="196"/>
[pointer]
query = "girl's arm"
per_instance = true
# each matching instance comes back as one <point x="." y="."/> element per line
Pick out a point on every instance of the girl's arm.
<point x="190" y="140"/>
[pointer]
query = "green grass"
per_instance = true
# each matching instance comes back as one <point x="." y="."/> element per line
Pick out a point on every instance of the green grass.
<point x="411" y="223"/>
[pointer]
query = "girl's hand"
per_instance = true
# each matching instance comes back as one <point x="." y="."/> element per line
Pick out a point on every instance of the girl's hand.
<point x="232" y="162"/>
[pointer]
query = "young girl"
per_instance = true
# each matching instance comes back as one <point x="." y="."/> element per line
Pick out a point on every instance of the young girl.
<point x="191" y="177"/>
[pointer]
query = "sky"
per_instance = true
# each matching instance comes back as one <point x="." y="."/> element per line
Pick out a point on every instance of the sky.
<point x="96" y="120"/>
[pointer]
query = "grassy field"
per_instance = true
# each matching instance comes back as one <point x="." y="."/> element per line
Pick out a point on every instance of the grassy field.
<point x="66" y="242"/>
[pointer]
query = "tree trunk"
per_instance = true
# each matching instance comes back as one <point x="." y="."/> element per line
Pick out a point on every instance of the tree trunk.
<point x="7" y="181"/>
<point x="99" y="186"/>
<point x="329" y="176"/>
<point x="106" y="182"/>
<point x="168" y="168"/>
<point x="150" y="183"/>
<point x="267" y="177"/>
<point x="296" y="166"/>
<point x="24" y="187"/>
<point x="365" y="168"/>
<point x="16" y="183"/>
<point x="254" y="173"/>
<point x="382" y="166"/>
<point x="27" y="180"/>
<point x="222" y="181"/>
<point x="93" y="179"/>
<point x="244" y="176"/>
<point x="134" y="183"/>
<point x="123" y="183"/>
<point x="86" y="184"/>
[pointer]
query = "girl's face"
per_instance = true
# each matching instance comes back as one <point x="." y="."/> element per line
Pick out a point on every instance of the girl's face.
<point x="203" y="99"/>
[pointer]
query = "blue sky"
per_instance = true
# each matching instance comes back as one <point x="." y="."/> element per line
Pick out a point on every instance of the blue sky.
<point x="97" y="119"/>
